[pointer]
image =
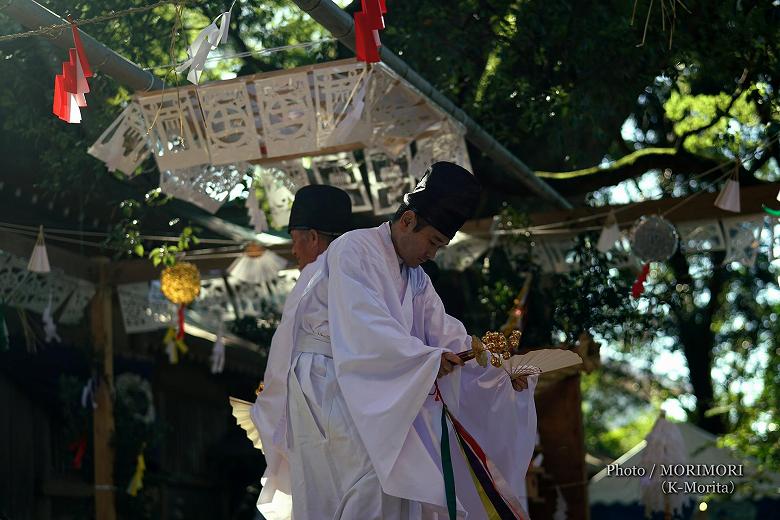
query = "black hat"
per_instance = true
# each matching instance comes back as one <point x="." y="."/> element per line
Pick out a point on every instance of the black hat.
<point x="446" y="197"/>
<point x="321" y="207"/>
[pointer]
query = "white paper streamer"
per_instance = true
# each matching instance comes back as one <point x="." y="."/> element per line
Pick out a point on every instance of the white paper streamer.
<point x="49" y="327"/>
<point x="218" y="352"/>
<point x="208" y="40"/>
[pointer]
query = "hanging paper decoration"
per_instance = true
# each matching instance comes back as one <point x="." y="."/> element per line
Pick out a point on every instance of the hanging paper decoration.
<point x="389" y="180"/>
<point x="218" y="351"/>
<point x="742" y="239"/>
<point x="137" y="482"/>
<point x="49" y="327"/>
<point x="73" y="310"/>
<point x="278" y="194"/>
<point x="5" y="342"/>
<point x="701" y="235"/>
<point x="340" y="98"/>
<point x="205" y="186"/>
<point x="398" y="113"/>
<point x="180" y="283"/>
<point x="561" y="509"/>
<point x="342" y="171"/>
<point x="368" y="23"/>
<point x="728" y="199"/>
<point x="257" y="265"/>
<point x="610" y="234"/>
<point x="447" y="144"/>
<point x="207" y="40"/>
<point x="71" y="86"/>
<point x="664" y="445"/>
<point x="123" y="145"/>
<point x="177" y="135"/>
<point x="140" y="313"/>
<point x="256" y="215"/>
<point x="39" y="260"/>
<point x="174" y="345"/>
<point x="287" y="113"/>
<point x="653" y="239"/>
<point x="79" y="449"/>
<point x="88" y="394"/>
<point x="639" y="285"/>
<point x="230" y="123"/>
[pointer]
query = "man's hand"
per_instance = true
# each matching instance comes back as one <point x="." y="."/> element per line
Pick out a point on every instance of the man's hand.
<point x="448" y="362"/>
<point x="520" y="384"/>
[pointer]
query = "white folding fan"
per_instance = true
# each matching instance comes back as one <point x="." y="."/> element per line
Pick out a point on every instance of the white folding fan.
<point x="540" y="362"/>
<point x="242" y="411"/>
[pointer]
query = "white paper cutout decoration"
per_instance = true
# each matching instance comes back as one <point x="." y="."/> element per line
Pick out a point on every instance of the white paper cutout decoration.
<point x="287" y="114"/>
<point x="177" y="137"/>
<point x="340" y="93"/>
<point x="610" y="234"/>
<point x="341" y="170"/>
<point x="653" y="239"/>
<point x="446" y="144"/>
<point x="389" y="180"/>
<point x="279" y="195"/>
<point x="206" y="41"/>
<point x="123" y="145"/>
<point x="205" y="186"/>
<point x="230" y="124"/>
<point x="139" y="313"/>
<point x="742" y="239"/>
<point x="728" y="198"/>
<point x="75" y="308"/>
<point x="701" y="235"/>
<point x="39" y="260"/>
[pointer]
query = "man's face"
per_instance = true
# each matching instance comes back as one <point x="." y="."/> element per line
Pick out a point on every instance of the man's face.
<point x="416" y="247"/>
<point x="306" y="246"/>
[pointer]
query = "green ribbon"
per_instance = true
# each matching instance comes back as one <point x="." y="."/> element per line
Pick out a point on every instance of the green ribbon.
<point x="446" y="465"/>
<point x="770" y="211"/>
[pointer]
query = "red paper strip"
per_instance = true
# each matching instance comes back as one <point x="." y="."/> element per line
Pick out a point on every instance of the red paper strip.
<point x="373" y="12"/>
<point x="69" y="76"/>
<point x="365" y="45"/>
<point x="639" y="285"/>
<point x="58" y="90"/>
<point x="80" y="50"/>
<point x="180" y="334"/>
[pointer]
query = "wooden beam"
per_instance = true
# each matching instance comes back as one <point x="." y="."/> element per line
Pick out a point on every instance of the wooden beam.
<point x="700" y="207"/>
<point x="103" y="419"/>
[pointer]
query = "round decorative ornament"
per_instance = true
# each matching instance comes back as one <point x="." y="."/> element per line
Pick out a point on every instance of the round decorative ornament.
<point x="180" y="283"/>
<point x="653" y="239"/>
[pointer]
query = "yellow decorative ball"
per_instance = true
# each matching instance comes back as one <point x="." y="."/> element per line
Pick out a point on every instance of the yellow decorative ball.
<point x="180" y="283"/>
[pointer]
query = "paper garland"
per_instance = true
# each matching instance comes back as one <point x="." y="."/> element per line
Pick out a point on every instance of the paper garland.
<point x="71" y="86"/>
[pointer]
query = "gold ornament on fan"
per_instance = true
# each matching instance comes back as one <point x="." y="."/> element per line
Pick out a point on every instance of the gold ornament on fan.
<point x="494" y="347"/>
<point x="180" y="283"/>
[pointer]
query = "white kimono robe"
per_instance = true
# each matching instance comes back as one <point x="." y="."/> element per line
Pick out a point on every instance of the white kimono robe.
<point x="363" y="431"/>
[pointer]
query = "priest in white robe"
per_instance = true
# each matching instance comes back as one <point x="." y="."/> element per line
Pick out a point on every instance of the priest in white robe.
<point x="318" y="215"/>
<point x="355" y="428"/>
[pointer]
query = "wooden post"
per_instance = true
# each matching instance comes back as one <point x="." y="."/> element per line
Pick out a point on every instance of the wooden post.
<point x="103" y="419"/>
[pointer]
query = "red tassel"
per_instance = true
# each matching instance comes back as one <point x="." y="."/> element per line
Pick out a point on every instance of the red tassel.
<point x="79" y="449"/>
<point x="80" y="51"/>
<point x="180" y="334"/>
<point x="639" y="285"/>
